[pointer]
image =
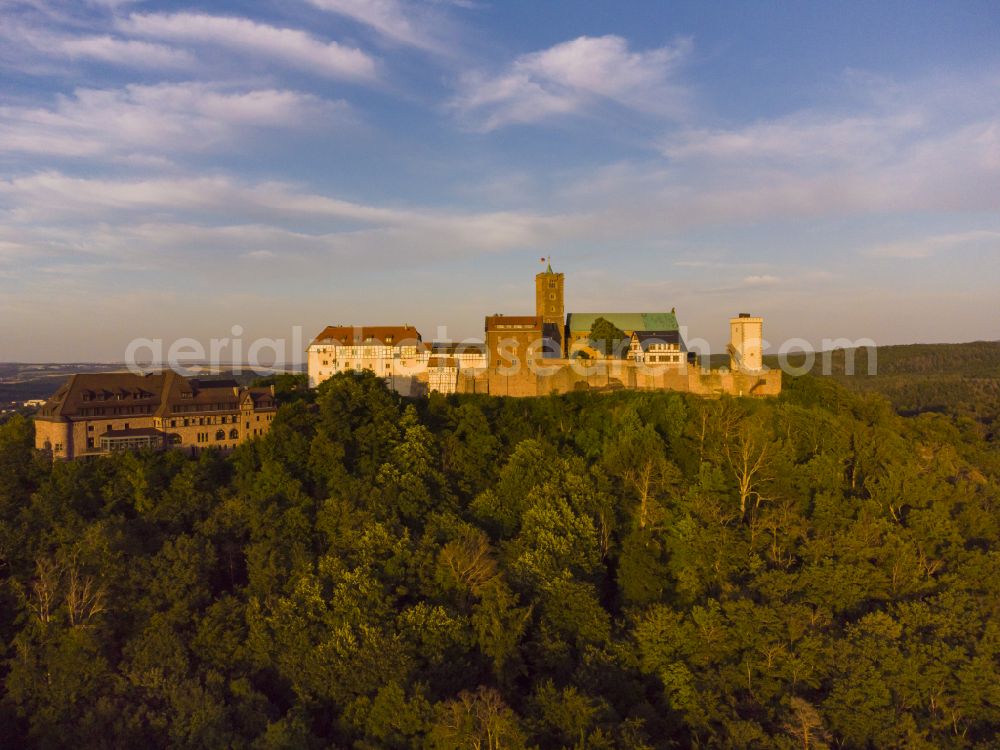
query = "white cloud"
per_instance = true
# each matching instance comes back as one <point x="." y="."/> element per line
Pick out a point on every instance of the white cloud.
<point x="800" y="138"/>
<point x="572" y="77"/>
<point x="172" y="117"/>
<point x="31" y="46"/>
<point x="25" y="41"/>
<point x="392" y="19"/>
<point x="925" y="247"/>
<point x="256" y="40"/>
<point x="128" y="52"/>
<point x="251" y="217"/>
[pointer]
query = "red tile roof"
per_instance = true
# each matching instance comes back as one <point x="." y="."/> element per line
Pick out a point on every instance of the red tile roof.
<point x="348" y="335"/>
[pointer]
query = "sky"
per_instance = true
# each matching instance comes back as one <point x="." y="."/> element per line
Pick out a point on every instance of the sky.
<point x="172" y="169"/>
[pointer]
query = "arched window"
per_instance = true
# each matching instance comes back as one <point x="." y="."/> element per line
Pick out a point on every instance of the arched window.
<point x="234" y="434"/>
<point x="220" y="435"/>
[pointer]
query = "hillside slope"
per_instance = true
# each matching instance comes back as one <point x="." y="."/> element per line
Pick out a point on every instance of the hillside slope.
<point x="628" y="570"/>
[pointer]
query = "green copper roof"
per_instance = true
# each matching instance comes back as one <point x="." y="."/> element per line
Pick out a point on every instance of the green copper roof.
<point x="628" y="322"/>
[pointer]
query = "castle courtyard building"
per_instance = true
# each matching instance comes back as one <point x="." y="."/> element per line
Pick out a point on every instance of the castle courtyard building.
<point x="394" y="353"/>
<point x="657" y="348"/>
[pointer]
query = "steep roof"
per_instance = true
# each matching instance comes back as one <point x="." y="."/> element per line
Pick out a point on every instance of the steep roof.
<point x="629" y="322"/>
<point x="118" y="388"/>
<point x="348" y="335"/>
<point x="157" y="392"/>
<point x="197" y="394"/>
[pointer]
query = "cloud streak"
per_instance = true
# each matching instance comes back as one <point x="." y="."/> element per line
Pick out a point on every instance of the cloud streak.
<point x="292" y="47"/>
<point x="111" y="217"/>
<point x="393" y="20"/>
<point x="166" y="118"/>
<point x="575" y="77"/>
<point x="925" y="247"/>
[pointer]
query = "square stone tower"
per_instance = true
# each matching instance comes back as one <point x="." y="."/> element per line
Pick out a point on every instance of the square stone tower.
<point x="550" y="307"/>
<point x="746" y="343"/>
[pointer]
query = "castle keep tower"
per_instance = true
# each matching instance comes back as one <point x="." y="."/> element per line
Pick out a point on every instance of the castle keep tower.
<point x="746" y="343"/>
<point x="549" y="296"/>
<point x="550" y="307"/>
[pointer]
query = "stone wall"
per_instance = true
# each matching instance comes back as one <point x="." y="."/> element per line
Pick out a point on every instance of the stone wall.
<point x="564" y="376"/>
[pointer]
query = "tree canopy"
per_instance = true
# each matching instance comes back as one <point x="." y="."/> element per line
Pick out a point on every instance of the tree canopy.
<point x="609" y="339"/>
<point x="625" y="570"/>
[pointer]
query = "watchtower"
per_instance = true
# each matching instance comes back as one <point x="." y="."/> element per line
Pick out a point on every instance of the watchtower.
<point x="746" y="343"/>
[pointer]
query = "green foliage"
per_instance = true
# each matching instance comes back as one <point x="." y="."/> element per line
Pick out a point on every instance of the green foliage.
<point x="608" y="339"/>
<point x="625" y="570"/>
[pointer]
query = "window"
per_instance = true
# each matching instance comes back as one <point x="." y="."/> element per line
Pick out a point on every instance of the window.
<point x="90" y="428"/>
<point x="220" y="435"/>
<point x="59" y="447"/>
<point x="234" y="434"/>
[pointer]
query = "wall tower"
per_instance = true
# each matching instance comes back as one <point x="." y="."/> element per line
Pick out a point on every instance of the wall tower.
<point x="746" y="343"/>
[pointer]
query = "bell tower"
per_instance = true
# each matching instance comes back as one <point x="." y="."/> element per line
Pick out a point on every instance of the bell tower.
<point x="550" y="307"/>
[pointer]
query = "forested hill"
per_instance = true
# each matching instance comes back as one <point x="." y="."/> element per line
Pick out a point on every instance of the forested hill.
<point x="625" y="570"/>
<point x="977" y="359"/>
<point x="958" y="379"/>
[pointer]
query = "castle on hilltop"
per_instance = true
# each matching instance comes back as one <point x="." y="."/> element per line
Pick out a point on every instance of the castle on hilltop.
<point x="548" y="352"/>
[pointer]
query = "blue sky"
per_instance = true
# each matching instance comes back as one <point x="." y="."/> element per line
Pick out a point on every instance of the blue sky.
<point x="173" y="169"/>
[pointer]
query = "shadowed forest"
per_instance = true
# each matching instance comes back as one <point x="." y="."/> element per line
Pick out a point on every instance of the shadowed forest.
<point x="624" y="570"/>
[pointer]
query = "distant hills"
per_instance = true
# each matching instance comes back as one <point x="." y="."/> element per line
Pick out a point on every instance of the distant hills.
<point x="977" y="359"/>
<point x="959" y="379"/>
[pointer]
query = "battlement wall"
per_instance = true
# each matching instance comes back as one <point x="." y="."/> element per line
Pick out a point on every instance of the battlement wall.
<point x="558" y="376"/>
